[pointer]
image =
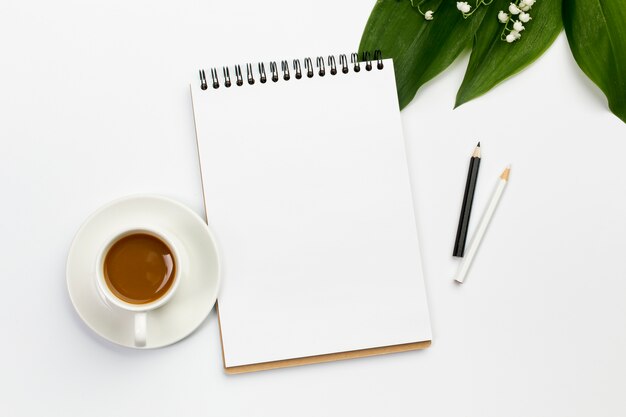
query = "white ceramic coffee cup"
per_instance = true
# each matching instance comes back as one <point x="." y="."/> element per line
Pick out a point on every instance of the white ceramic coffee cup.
<point x="140" y="310"/>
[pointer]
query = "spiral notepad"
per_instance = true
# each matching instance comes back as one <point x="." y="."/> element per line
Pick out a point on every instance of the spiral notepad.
<point x="306" y="186"/>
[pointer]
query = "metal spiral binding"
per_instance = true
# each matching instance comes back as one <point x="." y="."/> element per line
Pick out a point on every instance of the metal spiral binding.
<point x="262" y="73"/>
<point x="368" y="61"/>
<point x="284" y="66"/>
<point x="297" y="68"/>
<point x="203" y="84"/>
<point x="309" y="69"/>
<point x="354" y="58"/>
<point x="343" y="61"/>
<point x="308" y="64"/>
<point x="216" y="81"/>
<point x="274" y="71"/>
<point x="332" y="64"/>
<point x="227" y="82"/>
<point x="238" y="75"/>
<point x="250" y="74"/>
<point x="320" y="65"/>
<point x="378" y="56"/>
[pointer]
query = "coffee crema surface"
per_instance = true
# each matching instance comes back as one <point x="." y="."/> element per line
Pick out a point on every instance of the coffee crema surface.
<point x="139" y="268"/>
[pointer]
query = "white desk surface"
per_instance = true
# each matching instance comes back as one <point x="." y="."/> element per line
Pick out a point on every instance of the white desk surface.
<point x="94" y="105"/>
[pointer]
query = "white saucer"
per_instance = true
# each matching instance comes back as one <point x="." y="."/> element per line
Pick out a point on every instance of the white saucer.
<point x="200" y="275"/>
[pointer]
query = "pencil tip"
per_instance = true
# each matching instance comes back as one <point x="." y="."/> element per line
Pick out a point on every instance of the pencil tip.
<point x="476" y="153"/>
<point x="505" y="173"/>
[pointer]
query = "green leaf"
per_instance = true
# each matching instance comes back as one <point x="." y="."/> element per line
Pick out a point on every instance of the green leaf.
<point x="494" y="60"/>
<point x="596" y="32"/>
<point x="420" y="49"/>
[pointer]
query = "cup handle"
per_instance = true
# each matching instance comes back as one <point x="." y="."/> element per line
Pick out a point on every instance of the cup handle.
<point x="141" y="325"/>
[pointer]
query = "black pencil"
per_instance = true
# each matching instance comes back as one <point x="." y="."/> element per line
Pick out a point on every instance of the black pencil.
<point x="468" y="199"/>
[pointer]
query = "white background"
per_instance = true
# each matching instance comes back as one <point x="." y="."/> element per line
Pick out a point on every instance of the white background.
<point x="94" y="105"/>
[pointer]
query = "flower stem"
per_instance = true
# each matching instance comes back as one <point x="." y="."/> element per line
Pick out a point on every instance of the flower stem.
<point x="478" y="4"/>
<point x="506" y="25"/>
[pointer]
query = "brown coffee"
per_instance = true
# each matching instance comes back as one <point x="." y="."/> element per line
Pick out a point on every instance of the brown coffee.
<point x="139" y="268"/>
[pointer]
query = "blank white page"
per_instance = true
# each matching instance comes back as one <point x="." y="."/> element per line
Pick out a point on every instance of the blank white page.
<point x="306" y="187"/>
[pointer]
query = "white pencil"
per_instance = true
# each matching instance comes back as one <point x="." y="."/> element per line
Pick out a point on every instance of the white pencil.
<point x="482" y="226"/>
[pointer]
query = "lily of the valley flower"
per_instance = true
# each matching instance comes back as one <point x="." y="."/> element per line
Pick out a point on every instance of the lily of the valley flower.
<point x="417" y="4"/>
<point x="463" y="6"/>
<point x="467" y="10"/>
<point x="512" y="8"/>
<point x="513" y="36"/>
<point x="513" y="21"/>
<point x="513" y="27"/>
<point x="526" y="5"/>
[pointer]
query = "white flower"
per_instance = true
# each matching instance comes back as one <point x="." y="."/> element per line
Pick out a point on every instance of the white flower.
<point x="517" y="25"/>
<point x="512" y="8"/>
<point x="503" y="17"/>
<point x="463" y="6"/>
<point x="529" y="3"/>
<point x="428" y="15"/>
<point x="524" y="17"/>
<point x="516" y="34"/>
<point x="510" y="38"/>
